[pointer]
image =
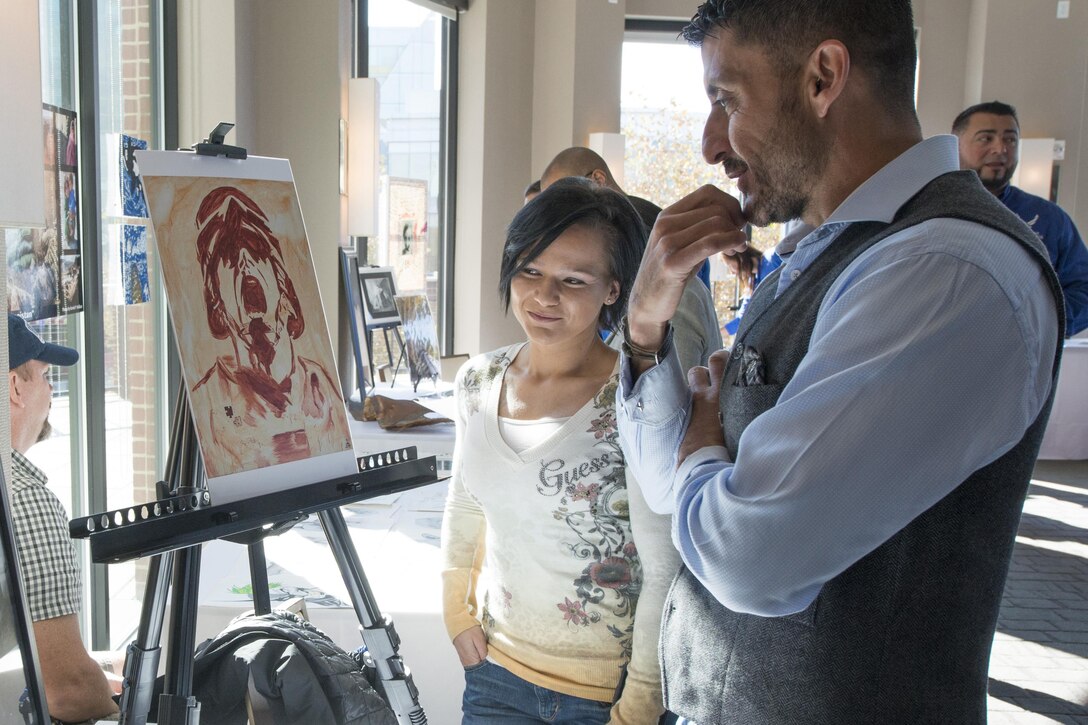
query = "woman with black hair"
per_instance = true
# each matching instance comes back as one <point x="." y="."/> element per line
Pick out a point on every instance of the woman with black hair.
<point x="541" y="572"/>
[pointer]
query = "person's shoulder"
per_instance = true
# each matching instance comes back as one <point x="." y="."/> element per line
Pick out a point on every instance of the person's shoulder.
<point x="478" y="375"/>
<point x="1022" y="201"/>
<point x="221" y="371"/>
<point x="25" y="476"/>
<point x="972" y="247"/>
<point x="31" y="498"/>
<point x="487" y="365"/>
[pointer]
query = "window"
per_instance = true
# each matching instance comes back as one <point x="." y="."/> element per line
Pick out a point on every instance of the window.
<point x="108" y="411"/>
<point x="408" y="47"/>
<point x="127" y="90"/>
<point x="663" y="109"/>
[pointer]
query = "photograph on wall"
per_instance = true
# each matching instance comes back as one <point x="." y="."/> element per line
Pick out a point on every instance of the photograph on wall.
<point x="134" y="264"/>
<point x="65" y="179"/>
<point x="132" y="191"/>
<point x="37" y="286"/>
<point x="33" y="273"/>
<point x="246" y="309"/>
<point x="407" y="234"/>
<point x="71" y="283"/>
<point x="67" y="137"/>
<point x="420" y="338"/>
<point x="69" y="213"/>
<point x="379" y="292"/>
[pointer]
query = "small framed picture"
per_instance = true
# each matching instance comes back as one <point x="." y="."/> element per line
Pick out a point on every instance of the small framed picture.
<point x="379" y="293"/>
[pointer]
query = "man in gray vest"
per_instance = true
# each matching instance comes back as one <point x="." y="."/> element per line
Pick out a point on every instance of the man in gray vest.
<point x="846" y="483"/>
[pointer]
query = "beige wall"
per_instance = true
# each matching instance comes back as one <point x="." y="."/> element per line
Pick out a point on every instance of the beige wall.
<point x="661" y="9"/>
<point x="578" y="48"/>
<point x="942" y="69"/>
<point x="494" y="125"/>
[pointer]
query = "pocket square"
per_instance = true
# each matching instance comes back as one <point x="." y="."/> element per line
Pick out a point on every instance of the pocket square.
<point x="752" y="369"/>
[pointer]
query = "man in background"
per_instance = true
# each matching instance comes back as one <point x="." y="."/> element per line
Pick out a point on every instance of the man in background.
<point x="76" y="685"/>
<point x="580" y="161"/>
<point x="532" y="191"/>
<point x="989" y="138"/>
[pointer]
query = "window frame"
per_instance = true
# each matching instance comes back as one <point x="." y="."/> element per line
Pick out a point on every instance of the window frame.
<point x="447" y="155"/>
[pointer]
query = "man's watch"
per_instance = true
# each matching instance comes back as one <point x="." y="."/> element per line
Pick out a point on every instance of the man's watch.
<point x="640" y="353"/>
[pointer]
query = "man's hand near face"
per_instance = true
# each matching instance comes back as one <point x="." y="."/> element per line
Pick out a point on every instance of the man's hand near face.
<point x="707" y="221"/>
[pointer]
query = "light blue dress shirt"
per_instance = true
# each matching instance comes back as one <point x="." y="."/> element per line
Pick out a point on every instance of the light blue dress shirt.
<point x="932" y="353"/>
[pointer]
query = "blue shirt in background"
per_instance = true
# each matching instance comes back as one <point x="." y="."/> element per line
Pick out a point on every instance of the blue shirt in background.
<point x="1067" y="251"/>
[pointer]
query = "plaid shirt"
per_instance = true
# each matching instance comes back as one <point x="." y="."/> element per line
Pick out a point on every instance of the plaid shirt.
<point x="47" y="556"/>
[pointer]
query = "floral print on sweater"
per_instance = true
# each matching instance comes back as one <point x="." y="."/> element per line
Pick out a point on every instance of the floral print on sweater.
<point x="560" y="574"/>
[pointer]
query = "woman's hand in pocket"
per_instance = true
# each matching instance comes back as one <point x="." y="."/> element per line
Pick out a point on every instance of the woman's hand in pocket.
<point x="471" y="646"/>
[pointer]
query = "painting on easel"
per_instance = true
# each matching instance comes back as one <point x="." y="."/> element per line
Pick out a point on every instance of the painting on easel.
<point x="420" y="338"/>
<point x="247" y="312"/>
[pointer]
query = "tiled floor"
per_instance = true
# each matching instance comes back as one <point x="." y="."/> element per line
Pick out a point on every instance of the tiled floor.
<point x="1039" y="664"/>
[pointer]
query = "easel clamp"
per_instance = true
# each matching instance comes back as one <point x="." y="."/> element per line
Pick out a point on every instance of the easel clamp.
<point x="214" y="146"/>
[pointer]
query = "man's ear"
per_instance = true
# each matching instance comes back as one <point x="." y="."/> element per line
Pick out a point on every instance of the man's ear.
<point x="599" y="177"/>
<point x="826" y="75"/>
<point x="14" y="389"/>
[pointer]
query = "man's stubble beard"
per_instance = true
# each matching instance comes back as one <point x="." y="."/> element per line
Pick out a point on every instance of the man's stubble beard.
<point x="796" y="159"/>
<point x="45" y="432"/>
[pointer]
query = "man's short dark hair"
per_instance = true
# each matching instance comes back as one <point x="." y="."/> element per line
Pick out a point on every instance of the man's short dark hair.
<point x="996" y="108"/>
<point x="569" y="202"/>
<point x="878" y="33"/>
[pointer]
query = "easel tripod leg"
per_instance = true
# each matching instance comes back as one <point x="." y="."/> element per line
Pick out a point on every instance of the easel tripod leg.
<point x="142" y="659"/>
<point x="177" y="706"/>
<point x="378" y="632"/>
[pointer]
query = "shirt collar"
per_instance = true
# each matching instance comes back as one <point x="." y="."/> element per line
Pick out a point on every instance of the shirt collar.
<point x="881" y="195"/>
<point x="19" y="459"/>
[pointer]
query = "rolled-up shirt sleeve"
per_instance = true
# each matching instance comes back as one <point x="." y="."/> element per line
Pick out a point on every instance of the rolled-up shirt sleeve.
<point x="652" y="414"/>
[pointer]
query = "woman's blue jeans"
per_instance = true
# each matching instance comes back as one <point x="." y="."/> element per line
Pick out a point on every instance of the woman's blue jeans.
<point x="494" y="695"/>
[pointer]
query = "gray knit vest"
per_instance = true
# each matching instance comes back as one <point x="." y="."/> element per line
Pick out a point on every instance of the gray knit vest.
<point x="903" y="635"/>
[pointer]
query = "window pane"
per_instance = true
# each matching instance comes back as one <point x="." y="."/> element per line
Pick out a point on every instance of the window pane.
<point x="128" y="101"/>
<point x="55" y="455"/>
<point x="405" y="51"/>
<point x="663" y="109"/>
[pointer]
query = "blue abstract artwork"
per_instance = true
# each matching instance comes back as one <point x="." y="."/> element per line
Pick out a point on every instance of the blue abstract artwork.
<point x="132" y="189"/>
<point x="134" y="265"/>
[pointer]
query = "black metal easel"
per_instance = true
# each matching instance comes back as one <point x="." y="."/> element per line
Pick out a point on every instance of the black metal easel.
<point x="172" y="529"/>
<point x="384" y="327"/>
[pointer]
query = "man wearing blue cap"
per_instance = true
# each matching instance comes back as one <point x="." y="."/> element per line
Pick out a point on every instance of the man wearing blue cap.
<point x="76" y="687"/>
